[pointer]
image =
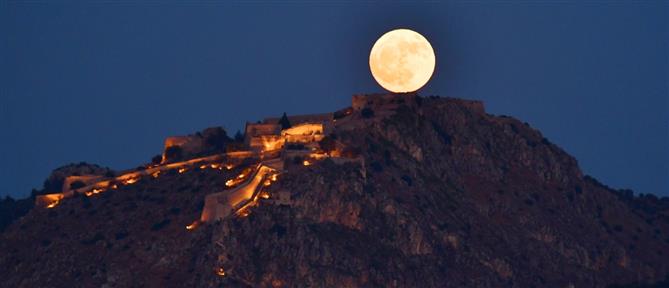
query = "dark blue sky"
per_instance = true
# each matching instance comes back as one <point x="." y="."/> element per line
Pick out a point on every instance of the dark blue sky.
<point x="105" y="82"/>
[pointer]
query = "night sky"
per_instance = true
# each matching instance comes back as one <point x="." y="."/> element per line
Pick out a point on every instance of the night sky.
<point x="106" y="82"/>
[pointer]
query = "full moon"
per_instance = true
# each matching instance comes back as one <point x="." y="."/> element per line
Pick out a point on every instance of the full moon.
<point x="402" y="61"/>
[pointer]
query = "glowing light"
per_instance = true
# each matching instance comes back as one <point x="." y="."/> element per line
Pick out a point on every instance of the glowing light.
<point x="229" y="166"/>
<point x="193" y="225"/>
<point x="94" y="191"/>
<point x="267" y="182"/>
<point x="274" y="177"/>
<point x="215" y="166"/>
<point x="49" y="200"/>
<point x="203" y="166"/>
<point x="264" y="195"/>
<point x="156" y="174"/>
<point x="234" y="181"/>
<point x="305" y="129"/>
<point x="306" y="163"/>
<point x="335" y="153"/>
<point x="182" y="170"/>
<point x="114" y="186"/>
<point x="244" y="213"/>
<point x="220" y="272"/>
<point x="318" y="156"/>
<point x="130" y="181"/>
<point x="267" y="142"/>
<point x="402" y="61"/>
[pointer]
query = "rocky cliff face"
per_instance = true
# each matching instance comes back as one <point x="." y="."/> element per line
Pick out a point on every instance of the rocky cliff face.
<point x="443" y="195"/>
<point x="447" y="196"/>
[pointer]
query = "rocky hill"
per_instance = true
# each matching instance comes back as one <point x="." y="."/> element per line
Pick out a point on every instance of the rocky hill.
<point x="440" y="194"/>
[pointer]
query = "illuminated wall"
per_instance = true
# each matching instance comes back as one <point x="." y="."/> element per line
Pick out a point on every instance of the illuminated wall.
<point x="49" y="200"/>
<point x="258" y="129"/>
<point x="86" y="179"/>
<point x="188" y="144"/>
<point x="304" y="129"/>
<point x="266" y="142"/>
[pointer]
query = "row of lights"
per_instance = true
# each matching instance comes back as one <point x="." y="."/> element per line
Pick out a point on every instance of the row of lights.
<point x="133" y="180"/>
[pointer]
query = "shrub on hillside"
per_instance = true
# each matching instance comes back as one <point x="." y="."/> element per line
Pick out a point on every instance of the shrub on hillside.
<point x="173" y="153"/>
<point x="367" y="112"/>
<point x="216" y="139"/>
<point x="235" y="146"/>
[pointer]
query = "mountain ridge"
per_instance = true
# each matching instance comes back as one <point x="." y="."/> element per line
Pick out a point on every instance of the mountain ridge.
<point x="412" y="191"/>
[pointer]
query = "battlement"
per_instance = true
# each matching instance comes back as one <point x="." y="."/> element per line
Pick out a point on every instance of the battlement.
<point x="257" y="129"/>
<point x="304" y="133"/>
<point x="361" y="101"/>
<point x="475" y="106"/>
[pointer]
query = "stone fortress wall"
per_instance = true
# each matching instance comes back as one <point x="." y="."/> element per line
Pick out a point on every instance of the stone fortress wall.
<point x="265" y="141"/>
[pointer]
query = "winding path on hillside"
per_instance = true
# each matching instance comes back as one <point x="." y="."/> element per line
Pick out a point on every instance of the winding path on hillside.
<point x="222" y="204"/>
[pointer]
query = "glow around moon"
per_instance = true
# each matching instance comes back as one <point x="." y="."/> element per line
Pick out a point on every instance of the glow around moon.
<point x="402" y="61"/>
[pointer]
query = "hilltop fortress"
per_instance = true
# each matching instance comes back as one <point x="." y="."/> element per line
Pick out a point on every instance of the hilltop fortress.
<point x="267" y="143"/>
<point x="390" y="188"/>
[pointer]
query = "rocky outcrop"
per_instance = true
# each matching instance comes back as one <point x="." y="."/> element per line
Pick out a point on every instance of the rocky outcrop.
<point x="453" y="197"/>
<point x="56" y="181"/>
